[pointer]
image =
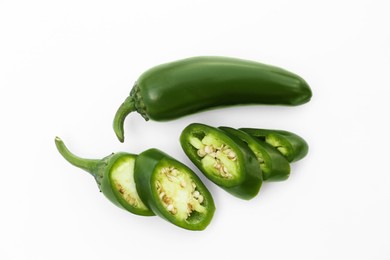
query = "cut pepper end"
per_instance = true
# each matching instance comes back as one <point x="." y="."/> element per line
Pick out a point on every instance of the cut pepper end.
<point x="123" y="185"/>
<point x="223" y="159"/>
<point x="216" y="157"/>
<point x="173" y="191"/>
<point x="179" y="194"/>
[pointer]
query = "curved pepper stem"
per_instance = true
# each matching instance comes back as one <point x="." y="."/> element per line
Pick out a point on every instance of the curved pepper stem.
<point x="88" y="165"/>
<point x="126" y="108"/>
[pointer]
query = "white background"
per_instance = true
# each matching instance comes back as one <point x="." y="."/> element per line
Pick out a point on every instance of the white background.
<point x="65" y="67"/>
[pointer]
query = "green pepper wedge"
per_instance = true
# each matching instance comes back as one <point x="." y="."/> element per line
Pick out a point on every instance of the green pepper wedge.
<point x="291" y="146"/>
<point x="187" y="86"/>
<point x="223" y="159"/>
<point x="114" y="175"/>
<point x="173" y="191"/>
<point x="273" y="164"/>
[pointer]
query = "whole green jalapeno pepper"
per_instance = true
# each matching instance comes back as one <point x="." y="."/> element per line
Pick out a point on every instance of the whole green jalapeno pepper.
<point x="223" y="159"/>
<point x="272" y="163"/>
<point x="290" y="145"/>
<point x="114" y="175"/>
<point x="187" y="86"/>
<point x="173" y="191"/>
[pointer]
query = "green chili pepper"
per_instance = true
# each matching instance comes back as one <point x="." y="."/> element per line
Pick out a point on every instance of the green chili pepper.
<point x="224" y="159"/>
<point x="272" y="163"/>
<point x="187" y="86"/>
<point x="290" y="145"/>
<point x="173" y="191"/>
<point x="114" y="175"/>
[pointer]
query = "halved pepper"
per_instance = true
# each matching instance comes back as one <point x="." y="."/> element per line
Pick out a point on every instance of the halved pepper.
<point x="173" y="191"/>
<point x="290" y="145"/>
<point x="223" y="159"/>
<point x="114" y="175"/>
<point x="273" y="165"/>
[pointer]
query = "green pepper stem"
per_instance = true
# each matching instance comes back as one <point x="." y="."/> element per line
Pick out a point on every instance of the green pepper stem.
<point x="88" y="165"/>
<point x="126" y="108"/>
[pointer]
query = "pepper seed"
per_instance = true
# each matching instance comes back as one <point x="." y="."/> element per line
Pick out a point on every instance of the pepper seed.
<point x="174" y="172"/>
<point x="217" y="165"/>
<point x="227" y="151"/>
<point x="161" y="195"/>
<point x="225" y="170"/>
<point x="208" y="149"/>
<point x="201" y="153"/>
<point x="231" y="154"/>
<point x="196" y="194"/>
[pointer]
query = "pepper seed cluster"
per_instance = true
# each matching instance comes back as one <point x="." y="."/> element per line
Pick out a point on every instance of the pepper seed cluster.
<point x="215" y="152"/>
<point x="173" y="175"/>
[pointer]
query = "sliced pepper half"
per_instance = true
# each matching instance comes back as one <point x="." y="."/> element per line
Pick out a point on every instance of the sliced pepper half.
<point x="173" y="191"/>
<point x="292" y="146"/>
<point x="273" y="164"/>
<point x="114" y="175"/>
<point x="224" y="159"/>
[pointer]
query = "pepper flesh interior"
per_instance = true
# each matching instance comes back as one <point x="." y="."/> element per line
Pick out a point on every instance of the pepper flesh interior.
<point x="217" y="157"/>
<point x="259" y="157"/>
<point x="123" y="180"/>
<point x="277" y="143"/>
<point x="178" y="193"/>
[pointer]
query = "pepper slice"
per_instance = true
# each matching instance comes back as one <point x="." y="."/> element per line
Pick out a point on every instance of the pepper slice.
<point x="114" y="175"/>
<point x="290" y="145"/>
<point x="187" y="86"/>
<point x="224" y="159"/>
<point x="273" y="165"/>
<point x="173" y="191"/>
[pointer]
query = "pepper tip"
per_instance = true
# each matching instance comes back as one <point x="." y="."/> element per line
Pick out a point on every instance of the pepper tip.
<point x="57" y="140"/>
<point x="120" y="136"/>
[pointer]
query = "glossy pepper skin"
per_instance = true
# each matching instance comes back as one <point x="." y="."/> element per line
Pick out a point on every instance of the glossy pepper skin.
<point x="150" y="173"/>
<point x="291" y="146"/>
<point x="272" y="163"/>
<point x="245" y="178"/>
<point x="187" y="86"/>
<point x="112" y="176"/>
